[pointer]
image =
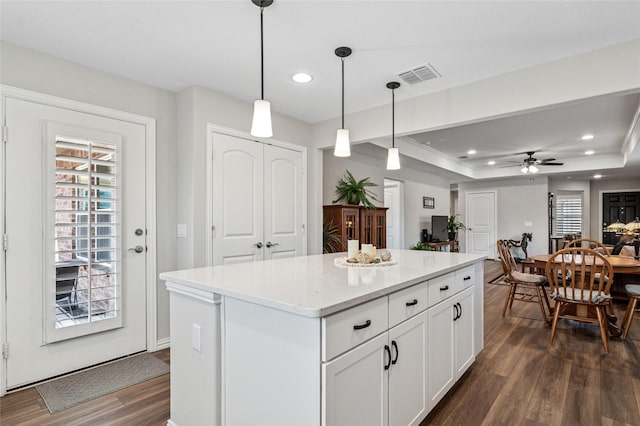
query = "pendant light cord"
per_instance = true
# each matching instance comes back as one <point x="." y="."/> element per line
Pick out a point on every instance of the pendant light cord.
<point x="342" y="92"/>
<point x="393" y="118"/>
<point x="261" y="56"/>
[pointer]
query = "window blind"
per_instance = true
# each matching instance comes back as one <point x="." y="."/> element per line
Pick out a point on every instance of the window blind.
<point x="568" y="214"/>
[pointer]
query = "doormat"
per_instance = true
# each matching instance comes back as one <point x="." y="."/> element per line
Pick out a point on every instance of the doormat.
<point x="64" y="392"/>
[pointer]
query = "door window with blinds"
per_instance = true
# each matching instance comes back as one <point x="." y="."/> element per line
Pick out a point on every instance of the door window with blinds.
<point x="569" y="213"/>
<point x="84" y="292"/>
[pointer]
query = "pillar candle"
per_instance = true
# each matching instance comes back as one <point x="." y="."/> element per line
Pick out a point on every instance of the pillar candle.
<point x="352" y="248"/>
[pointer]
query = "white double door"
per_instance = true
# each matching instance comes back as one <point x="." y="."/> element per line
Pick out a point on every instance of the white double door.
<point x="257" y="200"/>
<point x="75" y="196"/>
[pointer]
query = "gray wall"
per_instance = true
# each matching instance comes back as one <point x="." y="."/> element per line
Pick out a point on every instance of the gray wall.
<point x="519" y="200"/>
<point x="417" y="184"/>
<point x="35" y="71"/>
<point x="197" y="107"/>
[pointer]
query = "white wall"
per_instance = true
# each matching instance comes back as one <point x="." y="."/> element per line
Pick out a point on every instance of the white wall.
<point x="417" y="184"/>
<point x="519" y="200"/>
<point x="31" y="70"/>
<point x="564" y="186"/>
<point x="554" y="83"/>
<point x="198" y="106"/>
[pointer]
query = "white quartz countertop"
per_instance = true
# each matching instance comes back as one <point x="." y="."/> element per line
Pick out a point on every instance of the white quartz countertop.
<point x="313" y="286"/>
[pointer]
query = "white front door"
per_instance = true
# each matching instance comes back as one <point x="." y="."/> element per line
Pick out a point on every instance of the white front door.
<point x="75" y="204"/>
<point x="481" y="223"/>
<point x="257" y="200"/>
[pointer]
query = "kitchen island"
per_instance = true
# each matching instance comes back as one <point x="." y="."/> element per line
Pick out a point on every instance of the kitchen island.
<point x="310" y="341"/>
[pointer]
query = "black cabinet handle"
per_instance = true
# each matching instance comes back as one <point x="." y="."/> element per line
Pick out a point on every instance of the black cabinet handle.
<point x="459" y="310"/>
<point x="466" y="278"/>
<point x="413" y="303"/>
<point x="361" y="326"/>
<point x="395" y="346"/>
<point x="446" y="287"/>
<point x="388" y="351"/>
<point x="455" y="312"/>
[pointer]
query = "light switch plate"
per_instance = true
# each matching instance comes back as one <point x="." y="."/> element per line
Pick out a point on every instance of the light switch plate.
<point x="196" y="334"/>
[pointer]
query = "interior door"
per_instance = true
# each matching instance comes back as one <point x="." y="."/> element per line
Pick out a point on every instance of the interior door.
<point x="237" y="200"/>
<point x="283" y="202"/>
<point x="257" y="201"/>
<point x="393" y="202"/>
<point x="481" y="223"/>
<point x="75" y="203"/>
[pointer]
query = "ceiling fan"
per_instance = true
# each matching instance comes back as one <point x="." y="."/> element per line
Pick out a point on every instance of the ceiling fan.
<point x="529" y="164"/>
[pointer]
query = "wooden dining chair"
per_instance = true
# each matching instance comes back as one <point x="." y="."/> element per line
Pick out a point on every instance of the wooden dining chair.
<point x="633" y="291"/>
<point x="577" y="293"/>
<point x="523" y="287"/>
<point x="592" y="244"/>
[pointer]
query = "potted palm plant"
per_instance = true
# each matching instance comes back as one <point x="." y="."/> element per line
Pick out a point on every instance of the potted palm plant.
<point x="354" y="191"/>
<point x="453" y="226"/>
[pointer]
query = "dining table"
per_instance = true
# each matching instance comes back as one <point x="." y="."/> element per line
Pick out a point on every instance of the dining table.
<point x="622" y="265"/>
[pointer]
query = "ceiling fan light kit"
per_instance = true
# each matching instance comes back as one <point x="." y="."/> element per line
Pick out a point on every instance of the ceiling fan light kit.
<point x="529" y="165"/>
<point x="261" y="124"/>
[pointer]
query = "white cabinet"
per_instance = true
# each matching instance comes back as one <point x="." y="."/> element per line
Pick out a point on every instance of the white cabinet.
<point x="383" y="381"/>
<point x="450" y="341"/>
<point x="379" y="360"/>
<point x="408" y="400"/>
<point x="356" y="386"/>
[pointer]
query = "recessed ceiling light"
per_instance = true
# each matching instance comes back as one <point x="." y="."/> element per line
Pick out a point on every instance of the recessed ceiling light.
<point x="471" y="151"/>
<point x="587" y="137"/>
<point x="301" y="77"/>
<point x="590" y="152"/>
<point x="491" y="163"/>
<point x="597" y="176"/>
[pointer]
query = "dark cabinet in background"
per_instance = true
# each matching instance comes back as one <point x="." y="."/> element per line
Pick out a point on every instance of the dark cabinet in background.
<point x="369" y="226"/>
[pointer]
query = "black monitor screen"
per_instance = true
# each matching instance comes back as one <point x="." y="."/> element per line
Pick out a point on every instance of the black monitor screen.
<point x="439" y="228"/>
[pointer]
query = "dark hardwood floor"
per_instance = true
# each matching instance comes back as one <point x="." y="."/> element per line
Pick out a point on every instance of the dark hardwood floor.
<point x="518" y="379"/>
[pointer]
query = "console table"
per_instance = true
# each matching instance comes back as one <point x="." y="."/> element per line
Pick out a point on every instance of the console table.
<point x="451" y="246"/>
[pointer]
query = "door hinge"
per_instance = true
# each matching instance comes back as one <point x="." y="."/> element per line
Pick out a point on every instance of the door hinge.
<point x="5" y="134"/>
<point x="5" y="350"/>
<point x="5" y="242"/>
<point x="213" y="231"/>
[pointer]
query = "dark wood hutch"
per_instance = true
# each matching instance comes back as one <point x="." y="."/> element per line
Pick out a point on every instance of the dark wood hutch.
<point x="369" y="226"/>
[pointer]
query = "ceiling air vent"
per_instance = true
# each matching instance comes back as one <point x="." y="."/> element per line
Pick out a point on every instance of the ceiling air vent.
<point x="419" y="74"/>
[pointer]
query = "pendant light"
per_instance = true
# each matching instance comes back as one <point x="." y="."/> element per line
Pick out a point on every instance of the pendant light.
<point x="343" y="146"/>
<point x="393" y="158"/>
<point x="261" y="125"/>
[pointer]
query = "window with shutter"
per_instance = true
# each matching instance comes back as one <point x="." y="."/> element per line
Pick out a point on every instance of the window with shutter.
<point x="86" y="236"/>
<point x="569" y="214"/>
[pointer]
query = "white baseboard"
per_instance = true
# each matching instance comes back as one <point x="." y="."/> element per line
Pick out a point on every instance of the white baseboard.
<point x="170" y="423"/>
<point x="163" y="343"/>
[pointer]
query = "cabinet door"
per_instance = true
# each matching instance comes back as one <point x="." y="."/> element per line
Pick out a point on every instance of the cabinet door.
<point x="350" y="225"/>
<point x="355" y="386"/>
<point x="380" y="234"/>
<point x="463" y="331"/>
<point x="408" y="400"/>
<point x="440" y="354"/>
